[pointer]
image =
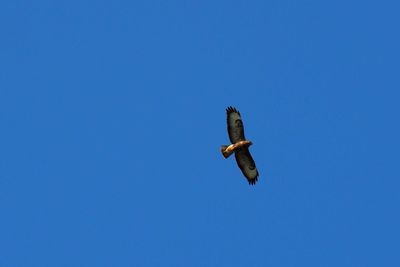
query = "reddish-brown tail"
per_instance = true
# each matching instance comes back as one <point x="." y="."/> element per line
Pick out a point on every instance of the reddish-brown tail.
<point x="226" y="153"/>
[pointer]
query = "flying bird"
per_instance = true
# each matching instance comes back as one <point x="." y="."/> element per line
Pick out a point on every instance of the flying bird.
<point x="239" y="146"/>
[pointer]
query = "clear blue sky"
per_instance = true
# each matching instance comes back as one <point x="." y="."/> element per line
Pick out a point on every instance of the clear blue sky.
<point x="112" y="114"/>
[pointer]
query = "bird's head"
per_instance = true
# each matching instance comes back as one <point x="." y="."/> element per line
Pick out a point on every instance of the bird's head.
<point x="249" y="143"/>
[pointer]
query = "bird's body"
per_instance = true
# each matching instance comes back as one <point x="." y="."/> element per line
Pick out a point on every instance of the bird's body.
<point x="229" y="150"/>
<point x="239" y="146"/>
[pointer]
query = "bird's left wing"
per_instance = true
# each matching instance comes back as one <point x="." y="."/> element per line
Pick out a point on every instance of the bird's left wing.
<point x="235" y="125"/>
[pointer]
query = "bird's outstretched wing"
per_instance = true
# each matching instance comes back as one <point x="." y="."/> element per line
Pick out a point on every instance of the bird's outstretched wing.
<point x="235" y="125"/>
<point x="246" y="164"/>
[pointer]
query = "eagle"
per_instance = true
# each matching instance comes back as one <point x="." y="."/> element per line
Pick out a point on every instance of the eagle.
<point x="239" y="146"/>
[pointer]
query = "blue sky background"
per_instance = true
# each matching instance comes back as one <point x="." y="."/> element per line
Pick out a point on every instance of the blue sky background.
<point x="112" y="114"/>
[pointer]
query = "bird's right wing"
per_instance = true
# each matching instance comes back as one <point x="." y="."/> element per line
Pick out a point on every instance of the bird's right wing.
<point x="246" y="164"/>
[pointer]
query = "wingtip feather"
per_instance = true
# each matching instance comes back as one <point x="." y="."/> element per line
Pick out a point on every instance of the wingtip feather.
<point x="231" y="109"/>
<point x="253" y="181"/>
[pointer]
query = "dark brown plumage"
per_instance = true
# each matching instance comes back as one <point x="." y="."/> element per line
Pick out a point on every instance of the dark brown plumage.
<point x="239" y="146"/>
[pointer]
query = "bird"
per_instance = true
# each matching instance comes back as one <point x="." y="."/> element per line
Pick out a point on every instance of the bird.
<point x="239" y="145"/>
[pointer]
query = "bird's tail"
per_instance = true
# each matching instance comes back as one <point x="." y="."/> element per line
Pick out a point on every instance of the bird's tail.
<point x="225" y="152"/>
